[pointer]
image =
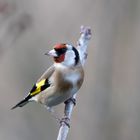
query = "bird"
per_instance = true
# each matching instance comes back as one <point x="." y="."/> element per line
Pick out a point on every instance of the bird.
<point x="60" y="81"/>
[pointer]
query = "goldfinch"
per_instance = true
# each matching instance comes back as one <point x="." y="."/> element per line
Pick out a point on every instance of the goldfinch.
<point x="61" y="81"/>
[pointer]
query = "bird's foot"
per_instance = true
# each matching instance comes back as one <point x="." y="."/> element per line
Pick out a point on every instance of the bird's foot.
<point x="65" y="121"/>
<point x="73" y="100"/>
<point x="53" y="113"/>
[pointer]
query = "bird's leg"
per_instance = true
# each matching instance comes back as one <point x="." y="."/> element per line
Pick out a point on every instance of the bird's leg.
<point x="73" y="100"/>
<point x="65" y="120"/>
<point x="53" y="113"/>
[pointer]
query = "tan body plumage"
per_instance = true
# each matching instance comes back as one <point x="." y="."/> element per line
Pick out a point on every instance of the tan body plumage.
<point x="63" y="86"/>
<point x="61" y="81"/>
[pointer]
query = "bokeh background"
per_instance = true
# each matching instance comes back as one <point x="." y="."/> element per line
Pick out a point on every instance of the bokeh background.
<point x="108" y="104"/>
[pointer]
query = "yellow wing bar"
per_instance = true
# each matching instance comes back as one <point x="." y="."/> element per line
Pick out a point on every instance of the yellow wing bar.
<point x="40" y="86"/>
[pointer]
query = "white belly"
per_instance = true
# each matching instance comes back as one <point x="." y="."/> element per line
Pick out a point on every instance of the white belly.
<point x="57" y="99"/>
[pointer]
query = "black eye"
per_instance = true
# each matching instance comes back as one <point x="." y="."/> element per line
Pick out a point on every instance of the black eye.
<point x="60" y="51"/>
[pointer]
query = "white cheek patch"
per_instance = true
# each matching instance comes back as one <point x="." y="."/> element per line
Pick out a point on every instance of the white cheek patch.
<point x="70" y="54"/>
<point x="69" y="58"/>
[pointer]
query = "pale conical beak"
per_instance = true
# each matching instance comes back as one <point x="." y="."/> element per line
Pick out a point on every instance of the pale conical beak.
<point x="51" y="53"/>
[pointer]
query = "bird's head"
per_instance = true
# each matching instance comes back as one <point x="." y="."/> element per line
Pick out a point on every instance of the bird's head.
<point x="65" y="54"/>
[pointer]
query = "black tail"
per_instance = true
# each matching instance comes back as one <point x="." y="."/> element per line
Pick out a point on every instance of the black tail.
<point x="21" y="103"/>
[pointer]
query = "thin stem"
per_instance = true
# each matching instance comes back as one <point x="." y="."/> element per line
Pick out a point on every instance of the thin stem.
<point x="85" y="36"/>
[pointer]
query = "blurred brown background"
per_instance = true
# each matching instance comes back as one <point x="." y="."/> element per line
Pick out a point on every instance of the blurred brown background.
<point x="108" y="102"/>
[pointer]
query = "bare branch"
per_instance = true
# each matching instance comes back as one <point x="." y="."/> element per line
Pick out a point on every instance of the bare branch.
<point x="82" y="49"/>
